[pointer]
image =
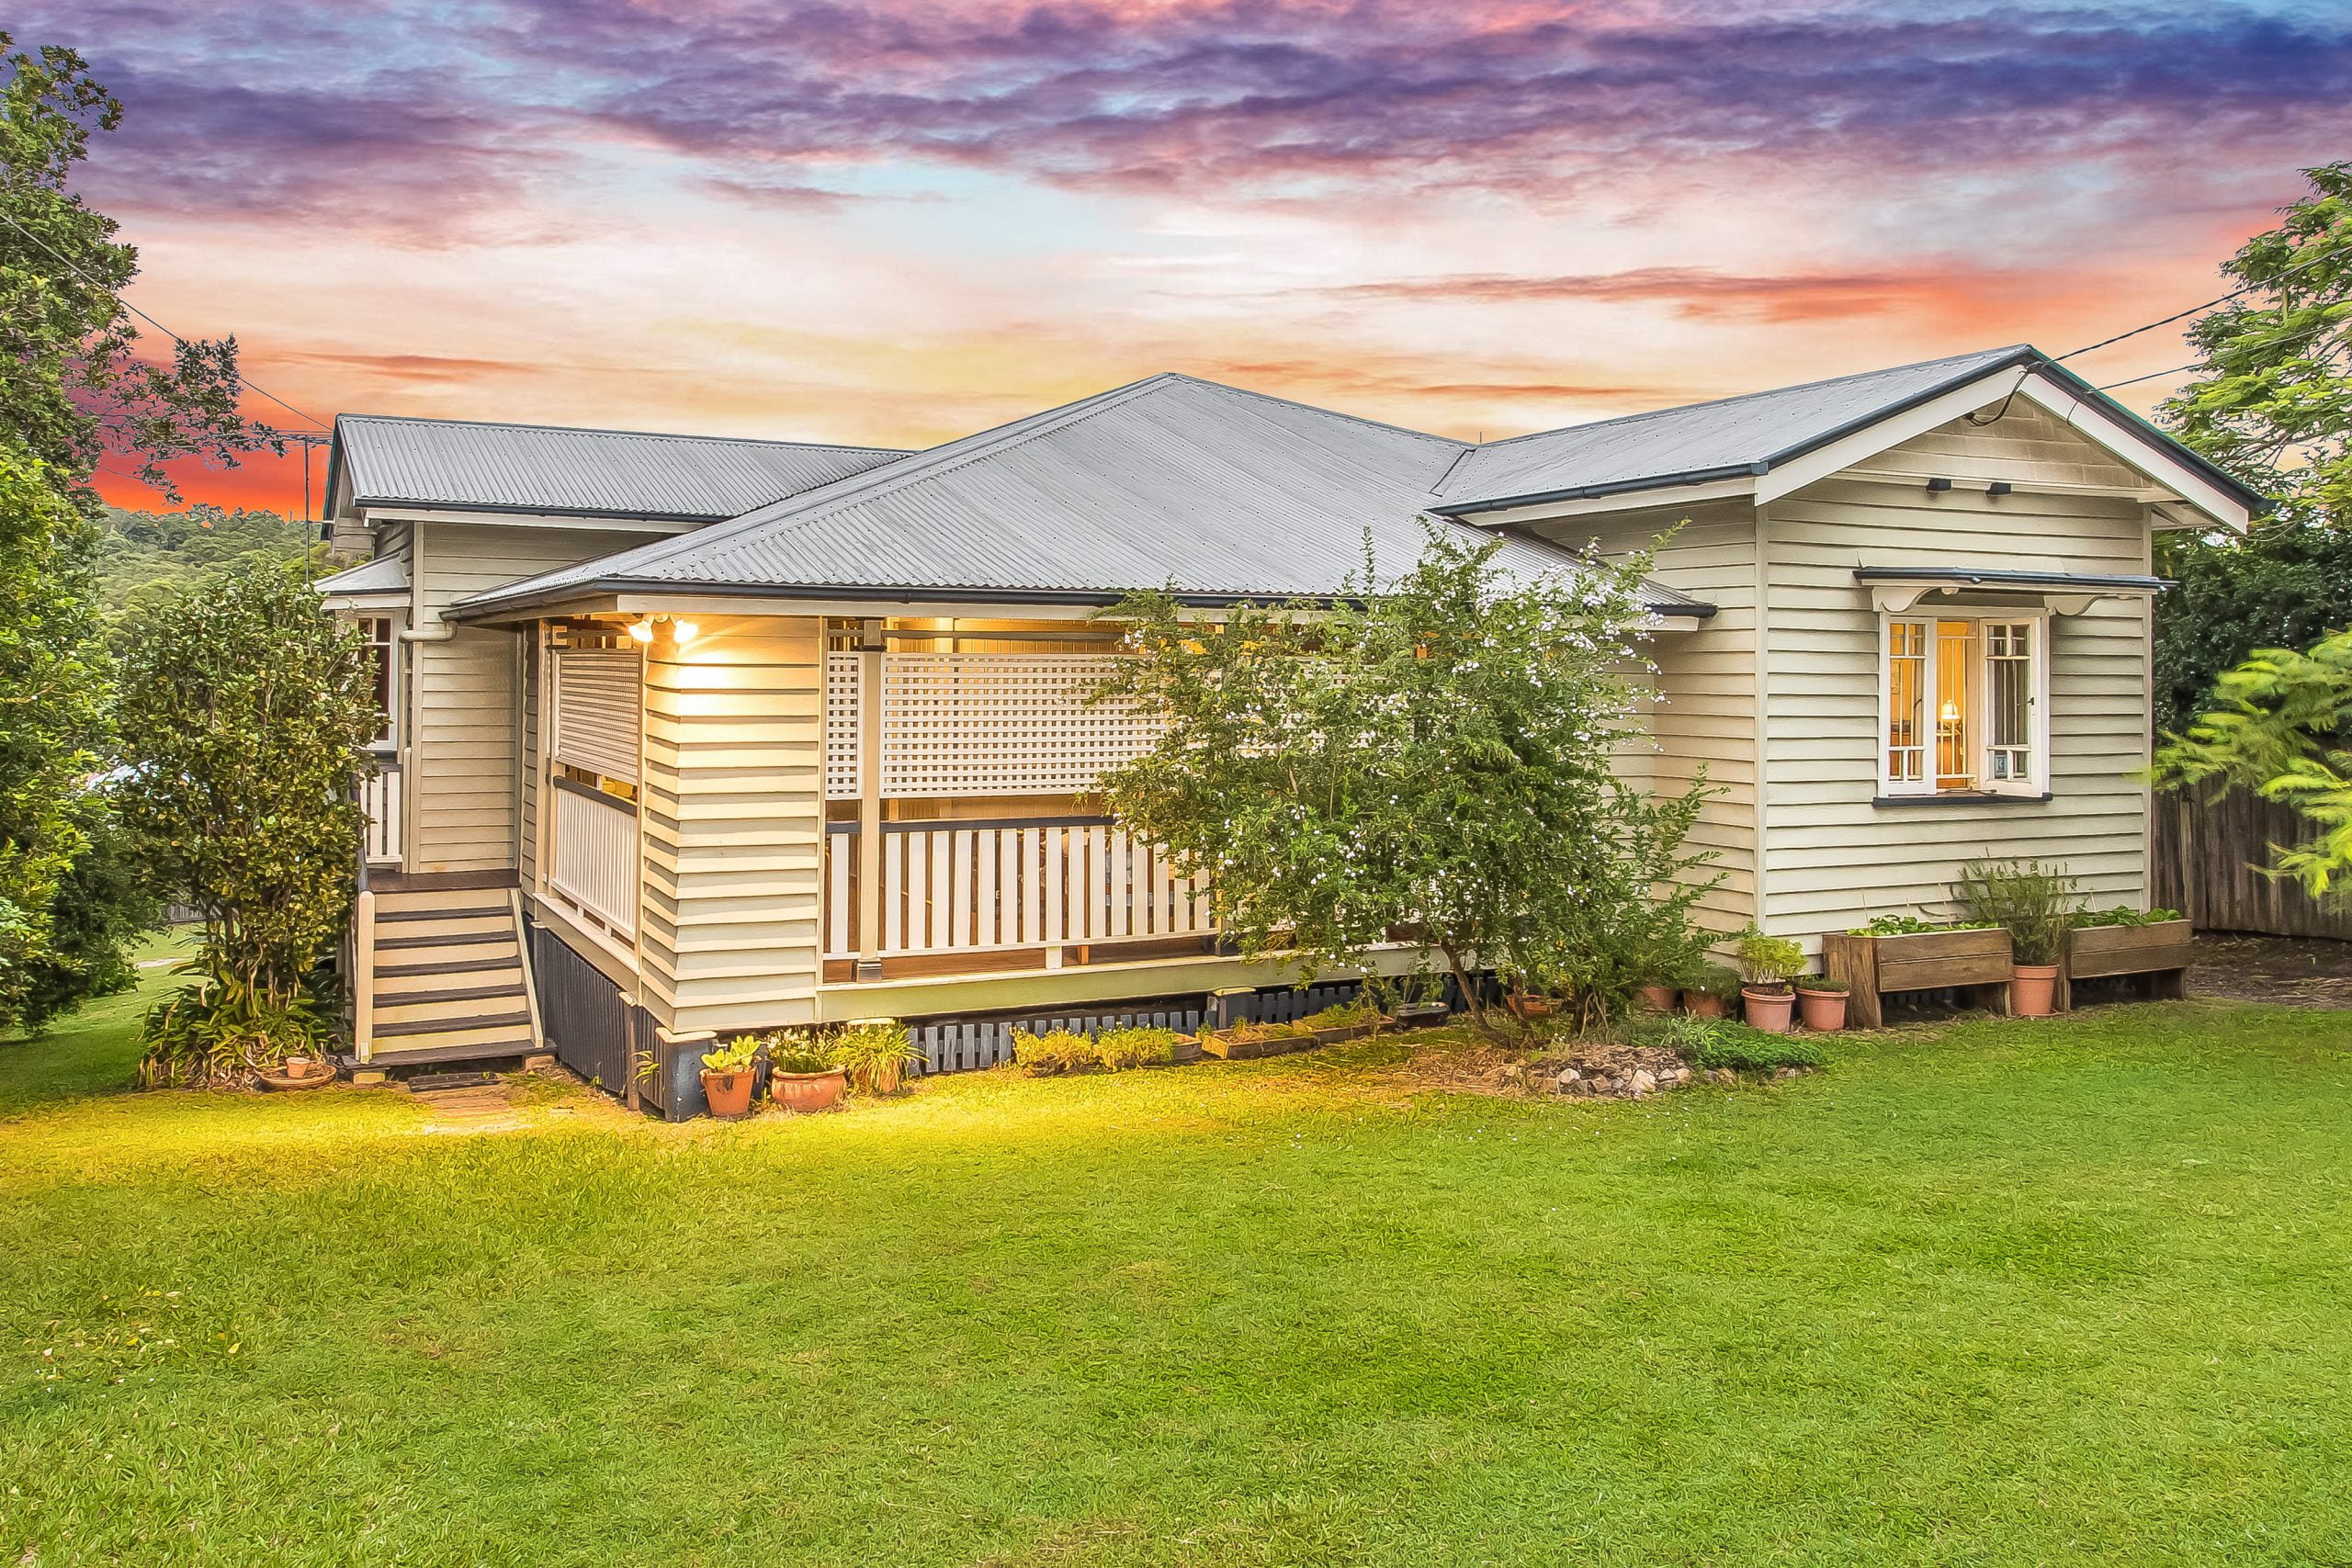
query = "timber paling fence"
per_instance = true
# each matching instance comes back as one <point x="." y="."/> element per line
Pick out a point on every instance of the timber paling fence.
<point x="2207" y="856"/>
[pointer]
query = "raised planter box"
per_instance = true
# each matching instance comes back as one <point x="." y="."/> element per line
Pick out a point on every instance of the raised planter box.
<point x="1225" y="1044"/>
<point x="2158" y="954"/>
<point x="1877" y="967"/>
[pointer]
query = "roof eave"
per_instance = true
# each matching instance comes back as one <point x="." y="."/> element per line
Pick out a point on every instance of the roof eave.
<point x="1588" y="493"/>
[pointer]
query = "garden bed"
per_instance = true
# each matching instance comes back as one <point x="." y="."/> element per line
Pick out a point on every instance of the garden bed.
<point x="1876" y="966"/>
<point x="2155" y="953"/>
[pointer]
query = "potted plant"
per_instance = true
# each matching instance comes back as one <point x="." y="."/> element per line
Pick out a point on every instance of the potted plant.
<point x="1767" y="964"/>
<point x="876" y="1055"/>
<point x="802" y="1074"/>
<point x="1709" y="991"/>
<point x="1821" y="1002"/>
<point x="727" y="1077"/>
<point x="2035" y="904"/>
<point x="1655" y="995"/>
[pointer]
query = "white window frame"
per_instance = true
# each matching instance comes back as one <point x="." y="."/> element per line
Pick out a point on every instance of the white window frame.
<point x="2036" y="782"/>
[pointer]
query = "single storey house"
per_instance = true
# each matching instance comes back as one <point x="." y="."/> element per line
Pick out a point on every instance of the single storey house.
<point x="687" y="736"/>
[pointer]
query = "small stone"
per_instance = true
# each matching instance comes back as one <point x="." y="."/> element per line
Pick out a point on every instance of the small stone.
<point x="1567" y="1076"/>
<point x="1642" y="1081"/>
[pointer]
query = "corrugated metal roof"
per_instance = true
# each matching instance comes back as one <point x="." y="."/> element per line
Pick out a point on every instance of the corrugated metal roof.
<point x="1736" y="434"/>
<point x="586" y="473"/>
<point x="383" y="575"/>
<point x="1170" y="482"/>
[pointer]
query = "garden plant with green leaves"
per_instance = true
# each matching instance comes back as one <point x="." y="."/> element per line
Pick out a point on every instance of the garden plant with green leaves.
<point x="1434" y="756"/>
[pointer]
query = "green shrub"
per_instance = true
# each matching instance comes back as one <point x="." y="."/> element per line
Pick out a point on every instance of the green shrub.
<point x="798" y="1049"/>
<point x="1119" y="1049"/>
<point x="1720" y="1042"/>
<point x="2124" y="915"/>
<point x="1769" y="962"/>
<point x="1912" y="925"/>
<point x="1822" y="983"/>
<point x="877" y="1057"/>
<point x="2035" y="903"/>
<point x="1716" y="980"/>
<point x="217" y="1032"/>
<point x="1056" y="1051"/>
<point x="737" y="1055"/>
<point x="1342" y="1015"/>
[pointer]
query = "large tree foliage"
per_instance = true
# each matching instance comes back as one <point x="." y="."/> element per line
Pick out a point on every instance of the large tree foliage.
<point x="2282" y="727"/>
<point x="74" y="388"/>
<point x="2271" y="402"/>
<point x="50" y="676"/>
<point x="1437" y="758"/>
<point x="242" y="712"/>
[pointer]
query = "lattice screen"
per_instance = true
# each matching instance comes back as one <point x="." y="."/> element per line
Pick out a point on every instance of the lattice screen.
<point x="840" y="726"/>
<point x="966" y="724"/>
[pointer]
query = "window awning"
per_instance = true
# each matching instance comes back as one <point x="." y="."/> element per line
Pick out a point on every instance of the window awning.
<point x="1895" y="588"/>
<point x="378" y="584"/>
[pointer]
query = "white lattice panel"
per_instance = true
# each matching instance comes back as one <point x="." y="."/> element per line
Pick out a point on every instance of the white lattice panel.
<point x="840" y="726"/>
<point x="979" y="724"/>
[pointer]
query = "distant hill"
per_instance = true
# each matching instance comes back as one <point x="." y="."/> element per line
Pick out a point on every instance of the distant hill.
<point x="144" y="555"/>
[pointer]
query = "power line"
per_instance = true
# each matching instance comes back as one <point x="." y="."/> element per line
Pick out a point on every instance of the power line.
<point x="242" y="379"/>
<point x="2308" y="332"/>
<point x="2209" y="304"/>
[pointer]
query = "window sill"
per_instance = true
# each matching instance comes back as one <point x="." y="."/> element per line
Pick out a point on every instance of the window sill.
<point x="1962" y="797"/>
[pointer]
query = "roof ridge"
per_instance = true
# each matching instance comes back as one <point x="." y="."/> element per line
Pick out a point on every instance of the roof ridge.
<point x="1317" y="408"/>
<point x="638" y="435"/>
<point x="1994" y="353"/>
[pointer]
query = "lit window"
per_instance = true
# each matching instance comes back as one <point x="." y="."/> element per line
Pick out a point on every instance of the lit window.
<point x="1961" y="703"/>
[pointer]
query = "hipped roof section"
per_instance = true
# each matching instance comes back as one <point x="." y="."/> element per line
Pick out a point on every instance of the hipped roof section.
<point x="1215" y="493"/>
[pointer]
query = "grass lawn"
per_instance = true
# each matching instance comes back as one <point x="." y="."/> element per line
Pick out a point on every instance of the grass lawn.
<point x="2009" y="1293"/>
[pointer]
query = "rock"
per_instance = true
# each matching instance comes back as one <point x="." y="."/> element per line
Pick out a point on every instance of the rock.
<point x="1644" y="1081"/>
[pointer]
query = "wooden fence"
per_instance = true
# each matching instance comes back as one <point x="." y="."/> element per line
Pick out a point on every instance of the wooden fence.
<point x="2206" y="856"/>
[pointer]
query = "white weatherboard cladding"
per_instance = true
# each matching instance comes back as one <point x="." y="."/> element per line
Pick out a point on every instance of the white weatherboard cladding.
<point x="596" y="710"/>
<point x="979" y="724"/>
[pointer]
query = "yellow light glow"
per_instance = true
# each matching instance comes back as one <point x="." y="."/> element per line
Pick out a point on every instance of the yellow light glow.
<point x="1952" y="713"/>
<point x="641" y="630"/>
<point x="684" y="632"/>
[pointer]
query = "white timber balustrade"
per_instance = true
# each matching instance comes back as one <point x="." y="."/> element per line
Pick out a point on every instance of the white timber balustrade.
<point x="379" y="796"/>
<point x="595" y="856"/>
<point x="976" y="887"/>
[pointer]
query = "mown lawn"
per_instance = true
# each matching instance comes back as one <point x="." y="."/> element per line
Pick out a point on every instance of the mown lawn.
<point x="2011" y="1294"/>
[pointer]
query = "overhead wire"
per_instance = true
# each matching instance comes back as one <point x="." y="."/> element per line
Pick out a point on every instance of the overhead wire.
<point x="242" y="379"/>
<point x="2209" y="304"/>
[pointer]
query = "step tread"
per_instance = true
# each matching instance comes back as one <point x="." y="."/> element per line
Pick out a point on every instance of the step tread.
<point x="483" y="912"/>
<point x="449" y="939"/>
<point x="385" y="1000"/>
<point x="451" y="1025"/>
<point x="447" y="966"/>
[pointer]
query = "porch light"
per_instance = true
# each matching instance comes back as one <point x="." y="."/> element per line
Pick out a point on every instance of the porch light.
<point x="683" y="632"/>
<point x="641" y="630"/>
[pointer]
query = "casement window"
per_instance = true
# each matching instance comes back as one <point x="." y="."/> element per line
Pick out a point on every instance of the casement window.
<point x="1963" y="703"/>
<point x="382" y="648"/>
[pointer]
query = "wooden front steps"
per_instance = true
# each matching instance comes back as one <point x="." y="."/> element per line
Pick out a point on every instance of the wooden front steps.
<point x="445" y="977"/>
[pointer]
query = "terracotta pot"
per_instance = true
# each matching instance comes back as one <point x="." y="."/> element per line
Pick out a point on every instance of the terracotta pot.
<point x="1824" y="1010"/>
<point x="1530" y="1007"/>
<point x="1698" y="1004"/>
<point x="2033" y="990"/>
<point x="729" y="1094"/>
<point x="1655" y="998"/>
<point x="808" y="1091"/>
<point x="1766" y="1010"/>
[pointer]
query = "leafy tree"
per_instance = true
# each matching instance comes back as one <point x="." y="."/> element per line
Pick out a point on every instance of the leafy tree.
<point x="142" y="557"/>
<point x="2282" y="727"/>
<point x="72" y="390"/>
<point x="1437" y="760"/>
<point x="51" y="675"/>
<point x="2272" y="403"/>
<point x="243" y="712"/>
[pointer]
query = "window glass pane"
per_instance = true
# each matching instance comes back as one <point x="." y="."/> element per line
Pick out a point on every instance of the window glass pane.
<point x="2008" y="684"/>
<point x="1955" y="702"/>
<point x="1907" y="688"/>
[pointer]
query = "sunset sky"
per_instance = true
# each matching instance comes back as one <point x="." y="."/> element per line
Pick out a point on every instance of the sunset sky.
<point x="895" y="223"/>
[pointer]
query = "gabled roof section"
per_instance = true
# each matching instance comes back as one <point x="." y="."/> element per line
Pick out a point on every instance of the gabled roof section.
<point x="1764" y="431"/>
<point x="458" y="464"/>
<point x="1699" y="441"/>
<point x="1217" y="493"/>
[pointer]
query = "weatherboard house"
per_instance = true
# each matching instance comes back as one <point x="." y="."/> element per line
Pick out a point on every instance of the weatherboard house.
<point x="689" y="736"/>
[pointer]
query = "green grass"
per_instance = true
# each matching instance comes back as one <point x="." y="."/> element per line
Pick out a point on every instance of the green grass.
<point x="2004" y="1294"/>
